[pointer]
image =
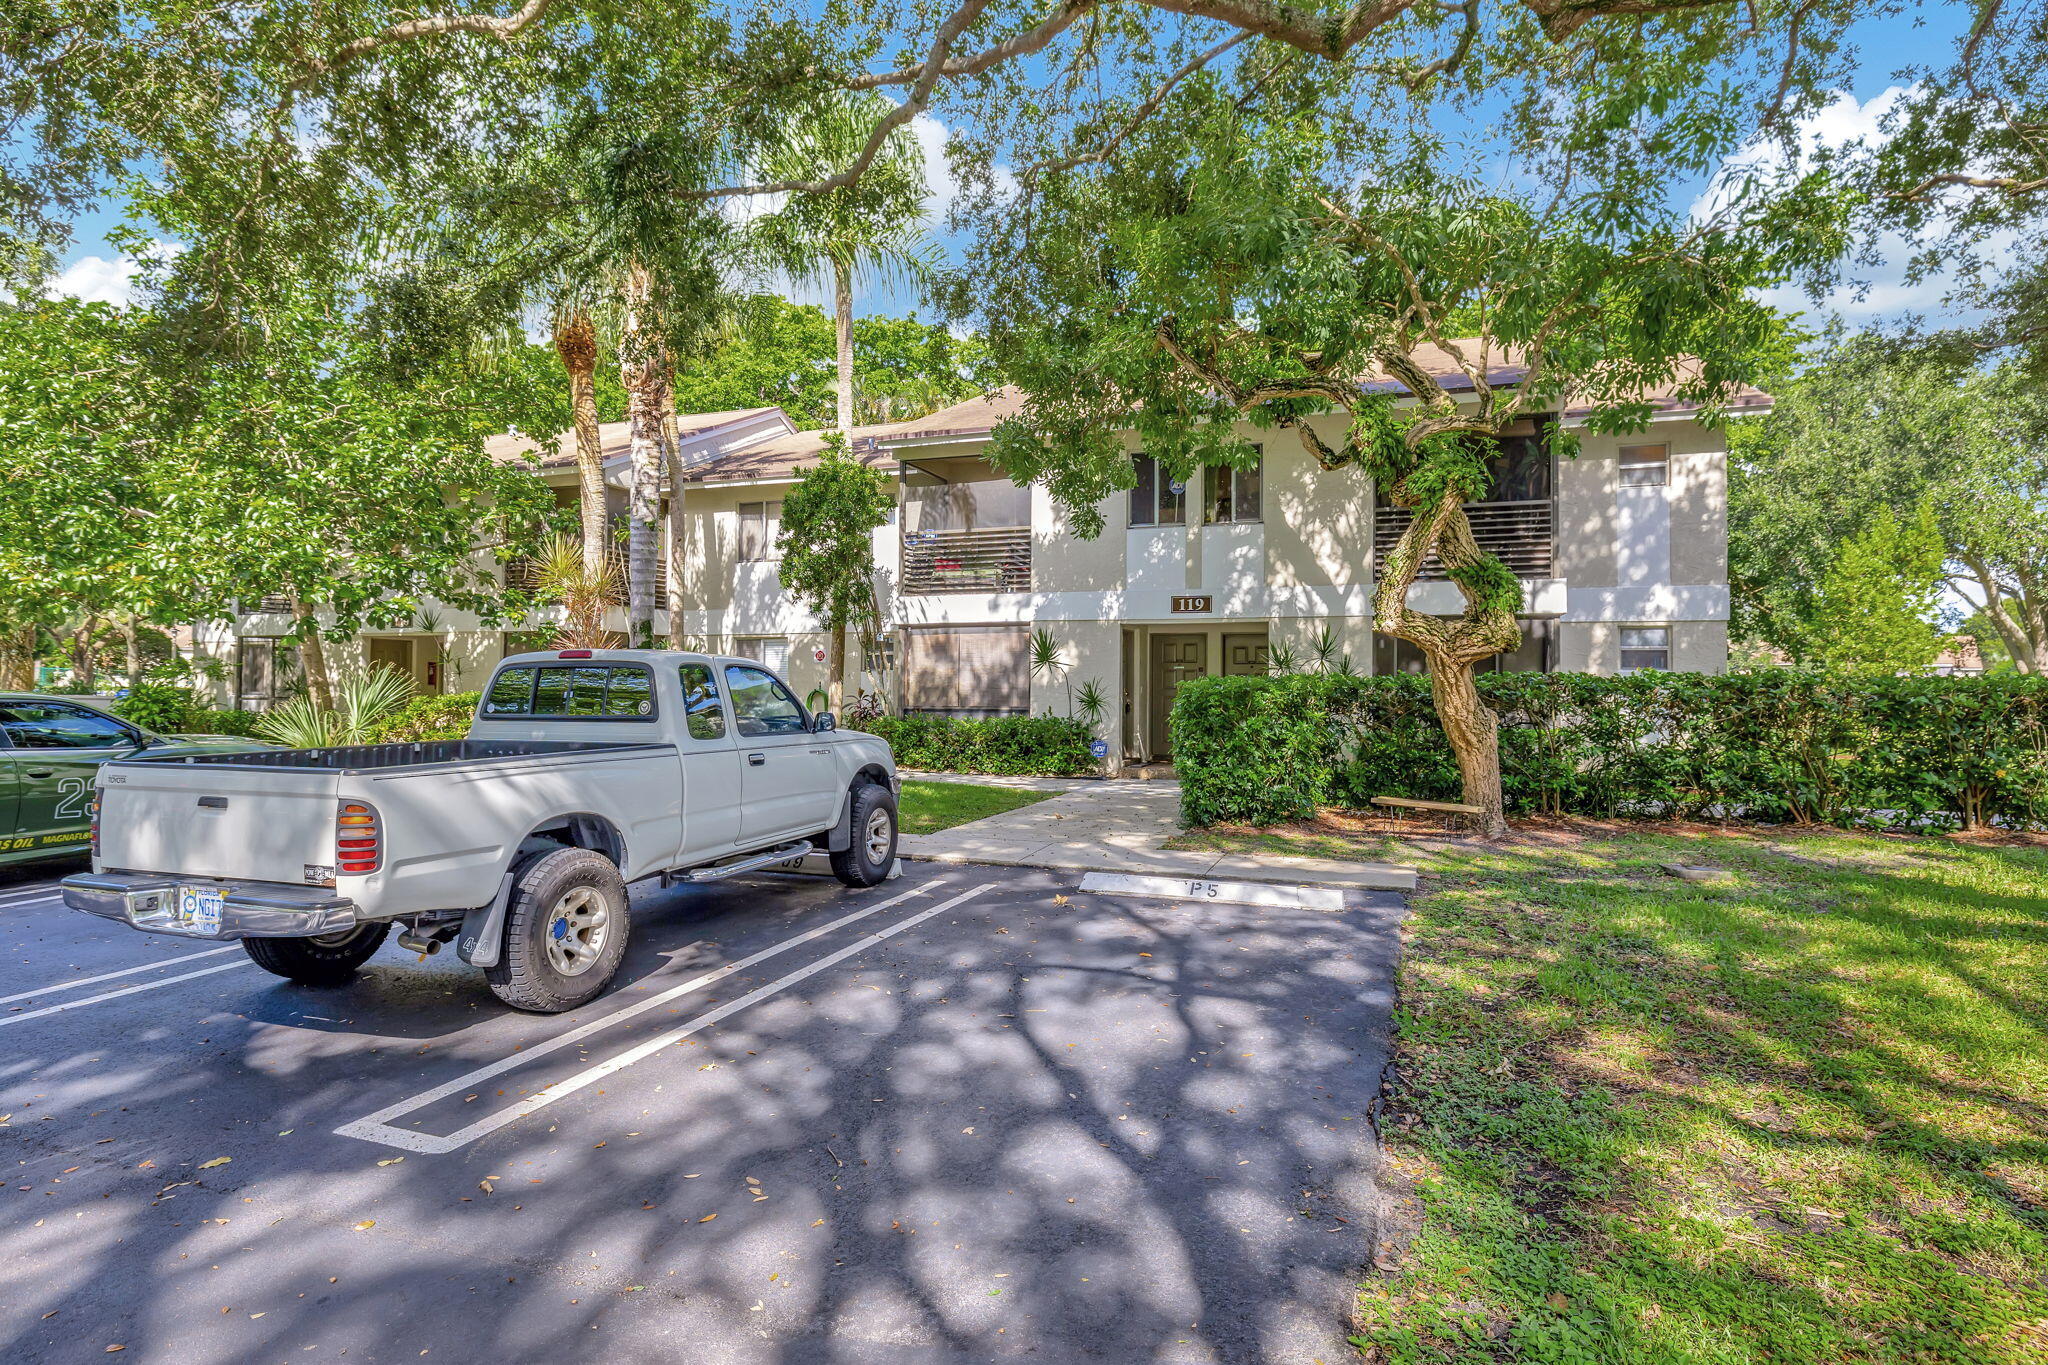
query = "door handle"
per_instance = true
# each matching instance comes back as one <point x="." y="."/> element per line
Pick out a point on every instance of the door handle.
<point x="42" y="772"/>
<point x="756" y="760"/>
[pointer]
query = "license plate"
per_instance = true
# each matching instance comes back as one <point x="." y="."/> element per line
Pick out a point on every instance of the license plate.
<point x="199" y="909"/>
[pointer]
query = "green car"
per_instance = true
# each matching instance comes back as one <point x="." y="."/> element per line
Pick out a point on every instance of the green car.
<point x="50" y="752"/>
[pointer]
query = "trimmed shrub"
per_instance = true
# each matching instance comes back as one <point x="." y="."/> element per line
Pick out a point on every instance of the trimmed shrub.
<point x="241" y="724"/>
<point x="162" y="707"/>
<point x="427" y="718"/>
<point x="1017" y="746"/>
<point x="1778" y="745"/>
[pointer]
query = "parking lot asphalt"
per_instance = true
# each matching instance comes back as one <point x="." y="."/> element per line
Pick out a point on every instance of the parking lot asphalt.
<point x="971" y="1114"/>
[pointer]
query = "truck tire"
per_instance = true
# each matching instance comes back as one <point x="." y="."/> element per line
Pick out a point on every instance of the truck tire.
<point x="867" y="858"/>
<point x="327" y="960"/>
<point x="565" y="933"/>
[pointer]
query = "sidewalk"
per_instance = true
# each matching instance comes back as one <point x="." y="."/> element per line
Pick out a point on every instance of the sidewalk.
<point x="1115" y="826"/>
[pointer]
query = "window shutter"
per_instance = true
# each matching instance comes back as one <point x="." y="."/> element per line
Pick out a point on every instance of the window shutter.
<point x="967" y="668"/>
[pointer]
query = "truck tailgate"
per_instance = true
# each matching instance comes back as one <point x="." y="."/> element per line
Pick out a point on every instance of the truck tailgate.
<point x="270" y="825"/>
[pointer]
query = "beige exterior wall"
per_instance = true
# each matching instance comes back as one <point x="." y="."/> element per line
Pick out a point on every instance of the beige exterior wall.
<point x="1699" y="505"/>
<point x="1586" y="516"/>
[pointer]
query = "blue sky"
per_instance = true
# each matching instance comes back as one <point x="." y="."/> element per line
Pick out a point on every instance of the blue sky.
<point x="94" y="269"/>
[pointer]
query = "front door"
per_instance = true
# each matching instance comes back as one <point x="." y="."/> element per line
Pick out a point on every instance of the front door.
<point x="1175" y="659"/>
<point x="1245" y="656"/>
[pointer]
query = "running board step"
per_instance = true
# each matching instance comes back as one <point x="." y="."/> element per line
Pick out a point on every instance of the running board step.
<point x="720" y="871"/>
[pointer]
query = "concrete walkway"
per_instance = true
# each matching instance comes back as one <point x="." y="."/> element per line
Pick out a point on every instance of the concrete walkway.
<point x="1114" y="826"/>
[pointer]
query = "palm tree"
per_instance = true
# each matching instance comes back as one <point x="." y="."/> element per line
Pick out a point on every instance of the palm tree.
<point x="576" y="343"/>
<point x="868" y="232"/>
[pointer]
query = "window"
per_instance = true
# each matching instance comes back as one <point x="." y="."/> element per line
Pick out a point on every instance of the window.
<point x="772" y="650"/>
<point x="1533" y="655"/>
<point x="1645" y="466"/>
<point x="1159" y="499"/>
<point x="700" y="703"/>
<point x="1233" y="494"/>
<point x="967" y="670"/>
<point x="1644" y="647"/>
<point x="265" y="668"/>
<point x="761" y="705"/>
<point x="572" y="692"/>
<point x="760" y="524"/>
<point x="55" y="725"/>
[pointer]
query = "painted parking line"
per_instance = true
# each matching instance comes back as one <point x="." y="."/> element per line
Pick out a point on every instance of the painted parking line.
<point x="28" y="895"/>
<point x="76" y="982"/>
<point x="377" y="1127"/>
<point x="116" y="995"/>
<point x="1207" y="889"/>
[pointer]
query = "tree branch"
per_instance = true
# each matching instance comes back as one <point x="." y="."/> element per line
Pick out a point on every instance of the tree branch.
<point x="412" y="30"/>
<point x="2011" y="185"/>
<point x="1031" y="173"/>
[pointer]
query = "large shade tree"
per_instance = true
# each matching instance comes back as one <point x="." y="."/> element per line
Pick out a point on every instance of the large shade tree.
<point x="1238" y="268"/>
<point x="1874" y="426"/>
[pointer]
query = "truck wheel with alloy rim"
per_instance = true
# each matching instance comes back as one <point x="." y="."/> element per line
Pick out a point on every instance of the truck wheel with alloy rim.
<point x="867" y="860"/>
<point x="565" y="933"/>
<point x="327" y="960"/>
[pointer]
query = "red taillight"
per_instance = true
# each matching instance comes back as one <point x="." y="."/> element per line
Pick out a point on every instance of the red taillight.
<point x="358" y="839"/>
<point x="93" y="810"/>
<point x="573" y="654"/>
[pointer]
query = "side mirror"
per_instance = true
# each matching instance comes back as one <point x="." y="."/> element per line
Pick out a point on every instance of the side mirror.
<point x="822" y="722"/>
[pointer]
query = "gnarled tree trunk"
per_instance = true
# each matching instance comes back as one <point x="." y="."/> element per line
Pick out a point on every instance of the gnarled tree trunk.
<point x="576" y="344"/>
<point x="1452" y="647"/>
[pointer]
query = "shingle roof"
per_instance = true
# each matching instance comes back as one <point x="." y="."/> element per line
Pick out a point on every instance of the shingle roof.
<point x="614" y="437"/>
<point x="979" y="415"/>
<point x="782" y="457"/>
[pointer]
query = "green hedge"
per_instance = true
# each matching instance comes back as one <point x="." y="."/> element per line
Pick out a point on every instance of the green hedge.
<point x="238" y="723"/>
<point x="1026" y="746"/>
<point x="425" y="718"/>
<point x="1774" y="745"/>
<point x="162" y="707"/>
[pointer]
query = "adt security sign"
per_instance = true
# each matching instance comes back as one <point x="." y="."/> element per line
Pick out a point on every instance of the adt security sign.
<point x="1099" y="748"/>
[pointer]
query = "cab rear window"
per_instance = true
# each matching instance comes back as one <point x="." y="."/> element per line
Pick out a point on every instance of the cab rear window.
<point x="571" y="692"/>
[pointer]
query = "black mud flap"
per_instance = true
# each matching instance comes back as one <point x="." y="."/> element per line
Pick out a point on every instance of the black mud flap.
<point x="482" y="940"/>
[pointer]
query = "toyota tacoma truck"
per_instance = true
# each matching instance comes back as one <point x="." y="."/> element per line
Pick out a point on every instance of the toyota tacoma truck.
<point x="584" y="770"/>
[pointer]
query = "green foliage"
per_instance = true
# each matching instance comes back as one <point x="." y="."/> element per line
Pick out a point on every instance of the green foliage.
<point x="1878" y="425"/>
<point x="778" y="354"/>
<point x="447" y="716"/>
<point x="363" y="699"/>
<point x="1774" y="745"/>
<point x="241" y="724"/>
<point x="162" y="707"/>
<point x="1024" y="746"/>
<point x="1875" y="608"/>
<point x="827" y="538"/>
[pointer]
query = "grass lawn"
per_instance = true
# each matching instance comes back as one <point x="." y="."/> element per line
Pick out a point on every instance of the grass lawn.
<point x="1802" y="1116"/>
<point x="928" y="806"/>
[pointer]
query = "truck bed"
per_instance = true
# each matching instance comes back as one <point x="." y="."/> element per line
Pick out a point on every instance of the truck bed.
<point x="381" y="758"/>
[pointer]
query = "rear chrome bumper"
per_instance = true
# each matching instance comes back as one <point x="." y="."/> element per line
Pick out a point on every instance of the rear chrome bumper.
<point x="148" y="901"/>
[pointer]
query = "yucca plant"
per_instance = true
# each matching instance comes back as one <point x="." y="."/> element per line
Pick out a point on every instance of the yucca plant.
<point x="582" y="593"/>
<point x="1048" y="662"/>
<point x="298" y="724"/>
<point x="1282" y="659"/>
<point x="364" y="699"/>
<point x="1091" y="703"/>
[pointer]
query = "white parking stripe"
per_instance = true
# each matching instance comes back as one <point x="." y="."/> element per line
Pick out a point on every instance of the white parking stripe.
<point x="73" y="984"/>
<point x="377" y="1127"/>
<point x="27" y="896"/>
<point x="116" y="995"/>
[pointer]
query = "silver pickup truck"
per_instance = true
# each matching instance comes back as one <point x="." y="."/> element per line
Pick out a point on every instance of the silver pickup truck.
<point x="583" y="771"/>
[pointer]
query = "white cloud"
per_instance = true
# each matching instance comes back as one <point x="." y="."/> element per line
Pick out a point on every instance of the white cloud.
<point x="95" y="279"/>
<point x="1881" y="290"/>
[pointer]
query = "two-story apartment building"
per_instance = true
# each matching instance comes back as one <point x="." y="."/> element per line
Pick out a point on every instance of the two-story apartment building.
<point x="1621" y="550"/>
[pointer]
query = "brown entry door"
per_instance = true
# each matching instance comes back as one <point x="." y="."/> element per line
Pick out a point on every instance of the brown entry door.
<point x="1175" y="658"/>
<point x="1245" y="656"/>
